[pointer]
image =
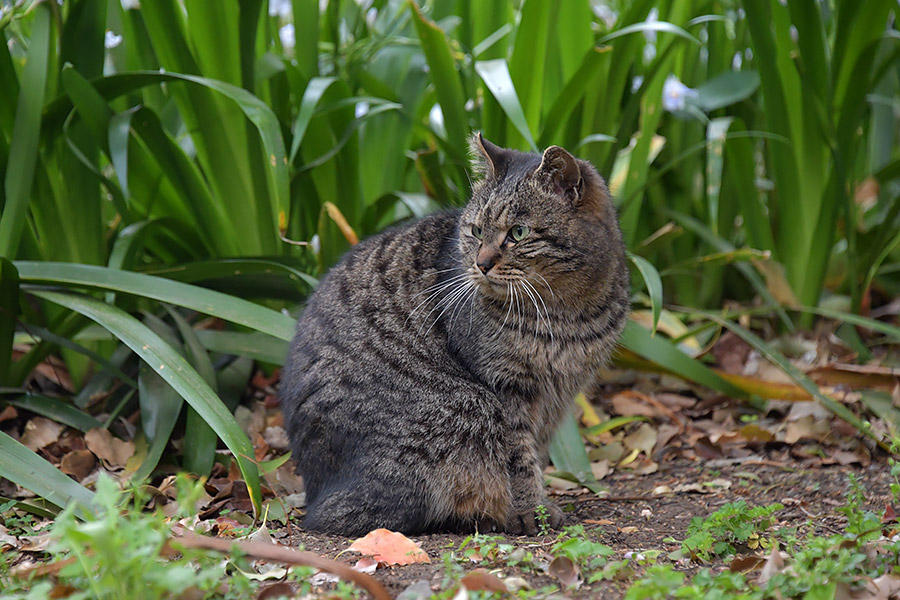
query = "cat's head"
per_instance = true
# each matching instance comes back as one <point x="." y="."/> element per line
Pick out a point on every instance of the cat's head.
<point x="545" y="219"/>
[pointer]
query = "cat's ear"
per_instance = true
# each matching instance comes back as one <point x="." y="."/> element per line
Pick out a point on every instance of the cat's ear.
<point x="559" y="170"/>
<point x="489" y="159"/>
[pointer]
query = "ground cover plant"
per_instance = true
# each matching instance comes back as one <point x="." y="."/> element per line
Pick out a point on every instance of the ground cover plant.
<point x="178" y="174"/>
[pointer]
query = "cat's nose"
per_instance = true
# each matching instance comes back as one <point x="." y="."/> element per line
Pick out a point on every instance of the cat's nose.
<point x="486" y="259"/>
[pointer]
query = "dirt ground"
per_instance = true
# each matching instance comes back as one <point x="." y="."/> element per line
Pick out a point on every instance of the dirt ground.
<point x="640" y="514"/>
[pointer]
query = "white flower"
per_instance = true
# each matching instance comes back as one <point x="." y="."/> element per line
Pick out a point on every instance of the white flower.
<point x="676" y="94"/>
<point x="130" y="4"/>
<point x="111" y="40"/>
<point x="636" y="83"/>
<point x="286" y="33"/>
<point x="737" y="61"/>
<point x="280" y="8"/>
<point x="361" y="109"/>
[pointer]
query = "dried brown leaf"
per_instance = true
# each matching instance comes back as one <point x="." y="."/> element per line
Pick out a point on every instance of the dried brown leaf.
<point x="40" y="432"/>
<point x="565" y="571"/>
<point x="78" y="463"/>
<point x="112" y="450"/>
<point x="276" y="590"/>
<point x="480" y="580"/>
<point x="631" y="403"/>
<point x="643" y="438"/>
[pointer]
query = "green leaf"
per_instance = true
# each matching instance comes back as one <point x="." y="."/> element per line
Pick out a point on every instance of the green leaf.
<point x="175" y="370"/>
<point x="648" y="26"/>
<point x="568" y="454"/>
<point x="56" y="409"/>
<point x="446" y="79"/>
<point x="200" y="446"/>
<point x="160" y="407"/>
<point x="726" y="89"/>
<point x="654" y="285"/>
<point x="664" y="354"/>
<point x="23" y="149"/>
<point x="572" y="93"/>
<point x="9" y="312"/>
<point x="158" y="288"/>
<point x="255" y="345"/>
<point x="315" y="89"/>
<point x="495" y="74"/>
<point x="25" y="468"/>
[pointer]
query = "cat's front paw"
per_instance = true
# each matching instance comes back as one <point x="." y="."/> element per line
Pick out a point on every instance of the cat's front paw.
<point x="533" y="520"/>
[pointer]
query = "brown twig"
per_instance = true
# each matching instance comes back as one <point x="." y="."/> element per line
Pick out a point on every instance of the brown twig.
<point x="282" y="554"/>
<point x="257" y="550"/>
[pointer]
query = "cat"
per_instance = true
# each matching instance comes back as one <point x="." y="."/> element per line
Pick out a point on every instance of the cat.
<point x="433" y="364"/>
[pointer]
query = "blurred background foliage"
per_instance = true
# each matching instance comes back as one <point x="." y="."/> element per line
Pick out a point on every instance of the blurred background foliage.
<point x="178" y="173"/>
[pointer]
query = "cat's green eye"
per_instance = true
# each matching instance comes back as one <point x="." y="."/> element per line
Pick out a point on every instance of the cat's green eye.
<point x="476" y="231"/>
<point x="518" y="232"/>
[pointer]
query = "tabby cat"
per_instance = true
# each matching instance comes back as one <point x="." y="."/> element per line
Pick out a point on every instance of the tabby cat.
<point x="432" y="366"/>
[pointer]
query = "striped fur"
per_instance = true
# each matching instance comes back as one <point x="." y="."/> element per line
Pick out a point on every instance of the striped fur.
<point x="421" y="393"/>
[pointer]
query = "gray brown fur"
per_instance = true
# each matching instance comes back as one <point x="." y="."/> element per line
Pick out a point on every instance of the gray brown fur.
<point x="419" y="395"/>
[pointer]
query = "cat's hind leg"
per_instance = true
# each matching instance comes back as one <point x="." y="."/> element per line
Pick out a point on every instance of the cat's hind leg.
<point x="354" y="508"/>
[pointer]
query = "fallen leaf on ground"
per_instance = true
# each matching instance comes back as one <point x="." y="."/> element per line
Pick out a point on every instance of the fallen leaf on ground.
<point x="108" y="448"/>
<point x="367" y="564"/>
<point x="7" y="540"/>
<point x="630" y="403"/>
<point x="78" y="463"/>
<point x="565" y="571"/>
<point x="40" y="432"/>
<point x="276" y="590"/>
<point x="481" y="580"/>
<point x="390" y="547"/>
<point x="643" y="438"/>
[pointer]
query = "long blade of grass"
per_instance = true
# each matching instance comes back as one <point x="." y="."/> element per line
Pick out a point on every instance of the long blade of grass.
<point x="746" y="270"/>
<point x="202" y="300"/>
<point x="23" y="148"/>
<point x="56" y="409"/>
<point x="664" y="354"/>
<point x="654" y="285"/>
<point x="649" y="26"/>
<point x="495" y="74"/>
<point x="25" y="468"/>
<point x="446" y="79"/>
<point x="175" y="370"/>
<point x="255" y="345"/>
<point x="200" y="446"/>
<point x="568" y="454"/>
<point x="160" y="407"/>
<point x="571" y="94"/>
<point x="9" y="311"/>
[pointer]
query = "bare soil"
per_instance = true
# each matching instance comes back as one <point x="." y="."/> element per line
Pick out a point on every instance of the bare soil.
<point x="639" y="515"/>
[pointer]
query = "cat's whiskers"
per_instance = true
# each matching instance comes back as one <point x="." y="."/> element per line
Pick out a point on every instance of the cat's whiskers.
<point x="460" y="305"/>
<point x="448" y="301"/>
<point x="545" y="283"/>
<point x="532" y="292"/>
<point x="435" y="290"/>
<point x="441" y="283"/>
<point x="508" y="299"/>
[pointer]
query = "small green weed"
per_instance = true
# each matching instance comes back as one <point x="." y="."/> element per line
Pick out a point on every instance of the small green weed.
<point x="117" y="554"/>
<point x="860" y="522"/>
<point x="734" y="523"/>
<point x="542" y="515"/>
